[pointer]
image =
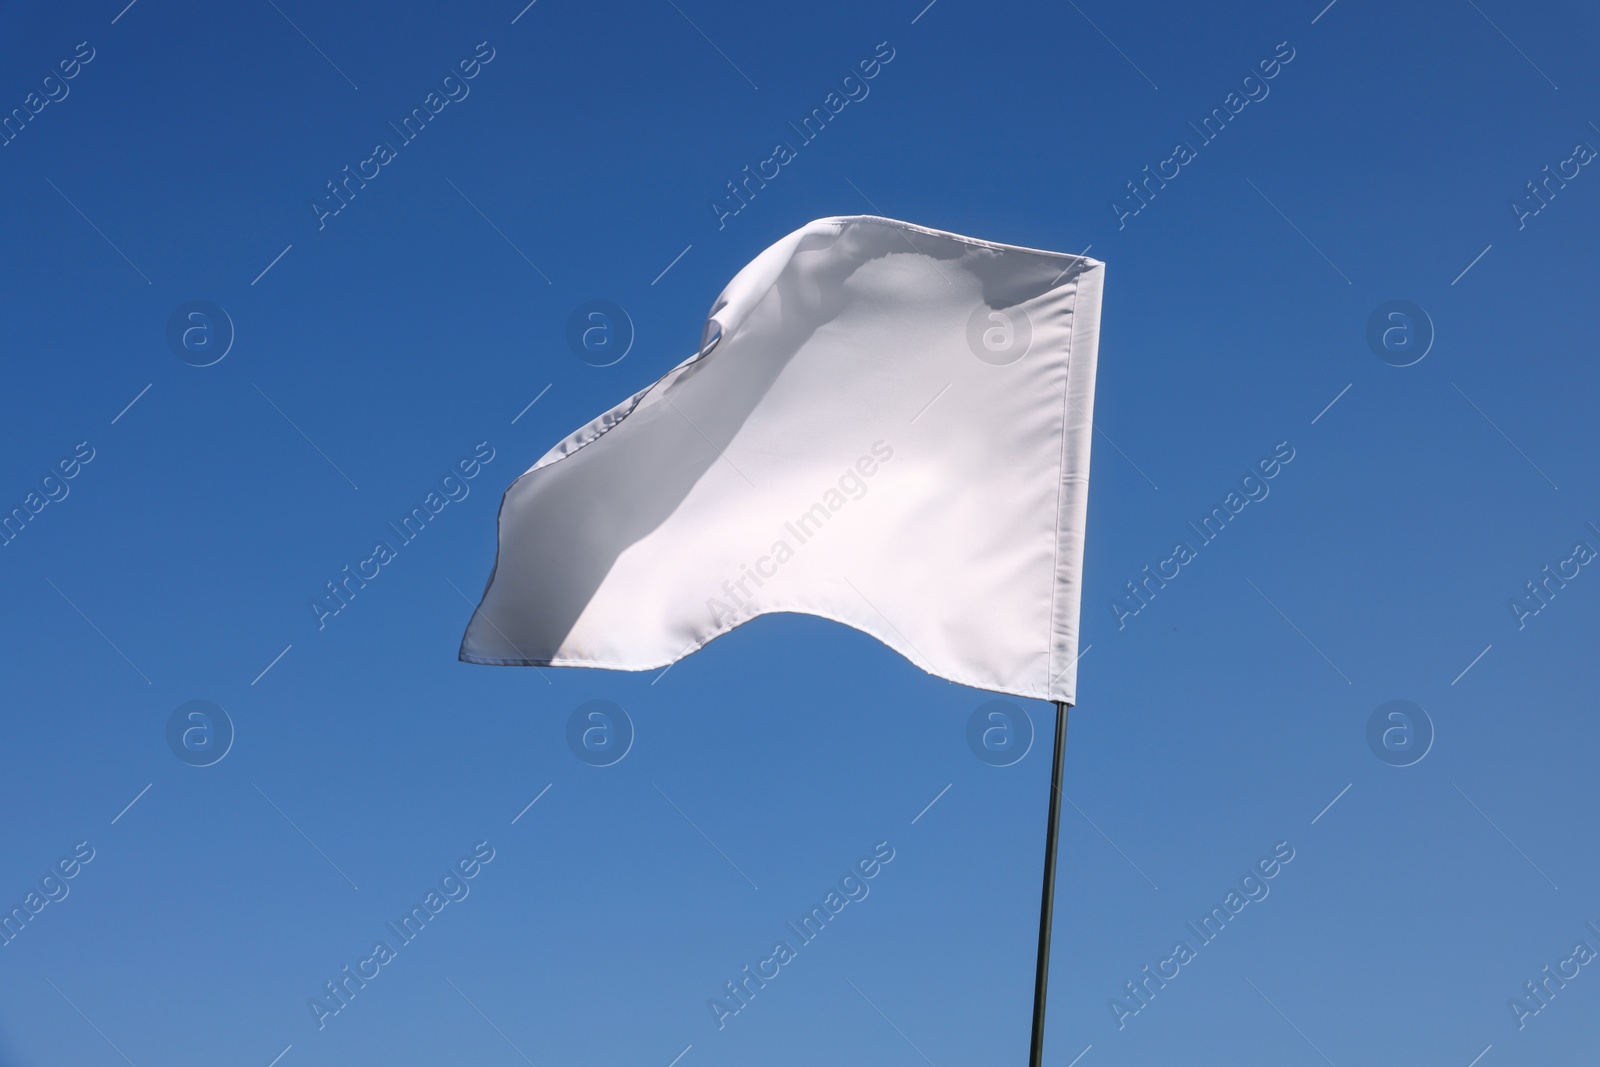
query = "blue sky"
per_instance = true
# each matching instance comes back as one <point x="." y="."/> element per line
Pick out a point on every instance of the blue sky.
<point x="377" y="347"/>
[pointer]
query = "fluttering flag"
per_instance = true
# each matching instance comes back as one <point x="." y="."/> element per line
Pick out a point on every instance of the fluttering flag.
<point x="885" y="425"/>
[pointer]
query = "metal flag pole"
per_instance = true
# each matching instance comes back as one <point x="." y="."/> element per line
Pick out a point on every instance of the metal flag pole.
<point x="1047" y="899"/>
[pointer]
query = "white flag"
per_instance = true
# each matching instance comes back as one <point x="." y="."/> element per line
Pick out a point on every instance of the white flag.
<point x="886" y="425"/>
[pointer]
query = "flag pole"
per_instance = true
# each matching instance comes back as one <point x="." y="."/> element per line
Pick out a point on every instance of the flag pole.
<point x="1048" y="897"/>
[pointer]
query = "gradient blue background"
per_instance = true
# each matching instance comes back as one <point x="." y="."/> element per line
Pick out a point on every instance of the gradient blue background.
<point x="1208" y="728"/>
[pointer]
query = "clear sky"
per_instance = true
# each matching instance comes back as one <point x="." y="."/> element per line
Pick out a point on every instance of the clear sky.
<point x="179" y="519"/>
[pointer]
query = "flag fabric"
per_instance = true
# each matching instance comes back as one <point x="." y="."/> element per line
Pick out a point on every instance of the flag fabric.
<point x="885" y="425"/>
